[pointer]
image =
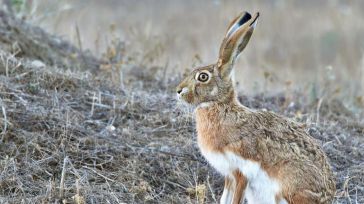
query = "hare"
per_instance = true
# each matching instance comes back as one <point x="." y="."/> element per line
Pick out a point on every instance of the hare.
<point x="265" y="158"/>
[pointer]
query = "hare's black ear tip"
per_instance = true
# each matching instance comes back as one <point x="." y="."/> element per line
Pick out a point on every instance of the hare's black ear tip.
<point x="255" y="20"/>
<point x="246" y="17"/>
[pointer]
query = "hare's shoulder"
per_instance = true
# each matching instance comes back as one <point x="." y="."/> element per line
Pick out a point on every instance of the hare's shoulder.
<point x="272" y="126"/>
<point x="277" y="135"/>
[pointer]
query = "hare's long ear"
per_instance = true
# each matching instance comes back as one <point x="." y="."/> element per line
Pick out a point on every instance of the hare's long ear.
<point x="237" y="37"/>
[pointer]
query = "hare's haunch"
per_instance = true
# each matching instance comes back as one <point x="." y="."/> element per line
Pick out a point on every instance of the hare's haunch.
<point x="265" y="158"/>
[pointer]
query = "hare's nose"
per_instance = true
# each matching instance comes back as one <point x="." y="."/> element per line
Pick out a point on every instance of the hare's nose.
<point x="182" y="91"/>
<point x="179" y="91"/>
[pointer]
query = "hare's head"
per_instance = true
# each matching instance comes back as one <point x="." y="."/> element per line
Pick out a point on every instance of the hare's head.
<point x="213" y="83"/>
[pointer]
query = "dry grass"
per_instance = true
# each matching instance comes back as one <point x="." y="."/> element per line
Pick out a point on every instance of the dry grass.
<point x="77" y="137"/>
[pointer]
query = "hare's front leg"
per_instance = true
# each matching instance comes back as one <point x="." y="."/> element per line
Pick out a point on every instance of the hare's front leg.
<point x="229" y="189"/>
<point x="241" y="183"/>
<point x="234" y="189"/>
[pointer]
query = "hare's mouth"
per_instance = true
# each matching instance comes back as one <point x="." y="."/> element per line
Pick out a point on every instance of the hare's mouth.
<point x="182" y="94"/>
<point x="185" y="95"/>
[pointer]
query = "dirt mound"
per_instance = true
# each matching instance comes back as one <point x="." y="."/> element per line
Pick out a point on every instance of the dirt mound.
<point x="24" y="40"/>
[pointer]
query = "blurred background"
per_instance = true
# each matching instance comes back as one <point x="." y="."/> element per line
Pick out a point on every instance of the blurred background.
<point x="314" y="46"/>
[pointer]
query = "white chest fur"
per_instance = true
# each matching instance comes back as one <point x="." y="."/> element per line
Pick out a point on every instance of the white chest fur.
<point x="219" y="161"/>
<point x="261" y="188"/>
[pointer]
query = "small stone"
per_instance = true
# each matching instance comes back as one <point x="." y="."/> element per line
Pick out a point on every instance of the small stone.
<point x="37" y="64"/>
<point x="110" y="128"/>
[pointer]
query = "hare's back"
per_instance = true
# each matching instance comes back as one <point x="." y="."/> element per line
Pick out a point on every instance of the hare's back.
<point x="289" y="153"/>
<point x="282" y="137"/>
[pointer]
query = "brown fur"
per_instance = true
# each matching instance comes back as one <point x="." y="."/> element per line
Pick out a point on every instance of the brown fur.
<point x="241" y="183"/>
<point x="281" y="147"/>
<point x="237" y="183"/>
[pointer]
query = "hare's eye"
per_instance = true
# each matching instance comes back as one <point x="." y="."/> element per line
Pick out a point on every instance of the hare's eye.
<point x="203" y="77"/>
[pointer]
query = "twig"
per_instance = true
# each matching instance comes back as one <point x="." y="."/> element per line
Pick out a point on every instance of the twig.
<point x="74" y="170"/>
<point x="210" y="188"/>
<point x="80" y="44"/>
<point x="190" y="157"/>
<point x="106" y="178"/>
<point x="174" y="184"/>
<point x="78" y="37"/>
<point x="63" y="176"/>
<point x="318" y="111"/>
<point x="5" y="120"/>
<point x="78" y="186"/>
<point x="165" y="73"/>
<point x="93" y="104"/>
<point x="12" y="59"/>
